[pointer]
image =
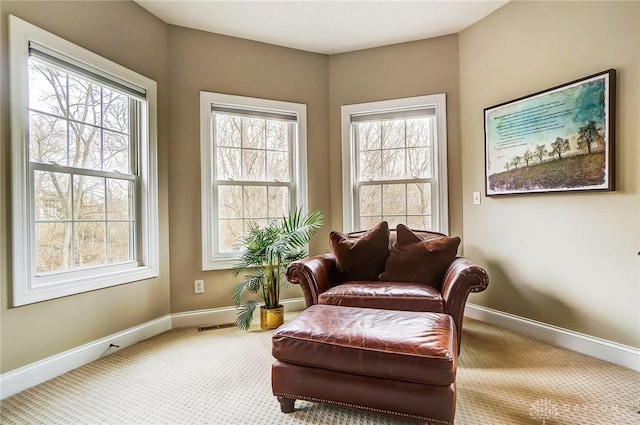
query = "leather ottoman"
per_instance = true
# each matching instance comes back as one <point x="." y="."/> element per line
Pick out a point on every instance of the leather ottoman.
<point x="395" y="362"/>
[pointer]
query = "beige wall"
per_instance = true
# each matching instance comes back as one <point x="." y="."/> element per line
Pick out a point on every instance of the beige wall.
<point x="402" y="70"/>
<point x="203" y="61"/>
<point x="566" y="259"/>
<point x="128" y="35"/>
<point x="579" y="271"/>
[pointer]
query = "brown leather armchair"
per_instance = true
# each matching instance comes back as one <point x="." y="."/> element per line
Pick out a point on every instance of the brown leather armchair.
<point x="323" y="283"/>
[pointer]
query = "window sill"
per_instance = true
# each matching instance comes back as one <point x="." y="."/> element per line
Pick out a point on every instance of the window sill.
<point x="219" y="263"/>
<point x="63" y="288"/>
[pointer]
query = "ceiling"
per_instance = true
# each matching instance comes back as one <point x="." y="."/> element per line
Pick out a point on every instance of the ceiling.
<point x="328" y="27"/>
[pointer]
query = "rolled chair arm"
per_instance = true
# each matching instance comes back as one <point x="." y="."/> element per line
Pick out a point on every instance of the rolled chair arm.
<point x="314" y="275"/>
<point x="461" y="278"/>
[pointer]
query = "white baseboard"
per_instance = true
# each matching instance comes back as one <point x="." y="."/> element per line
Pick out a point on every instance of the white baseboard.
<point x="35" y="373"/>
<point x="609" y="351"/>
<point x="223" y="315"/>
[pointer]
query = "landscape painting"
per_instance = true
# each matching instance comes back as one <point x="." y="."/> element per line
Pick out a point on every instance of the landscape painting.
<point x="560" y="139"/>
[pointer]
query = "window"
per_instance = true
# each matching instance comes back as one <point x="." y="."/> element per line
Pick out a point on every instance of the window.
<point x="394" y="163"/>
<point x="84" y="173"/>
<point x="253" y="168"/>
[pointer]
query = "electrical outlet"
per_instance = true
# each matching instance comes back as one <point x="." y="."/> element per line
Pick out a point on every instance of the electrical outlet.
<point x="199" y="286"/>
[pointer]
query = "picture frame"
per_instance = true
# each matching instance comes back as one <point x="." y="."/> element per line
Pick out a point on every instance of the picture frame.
<point x="556" y="140"/>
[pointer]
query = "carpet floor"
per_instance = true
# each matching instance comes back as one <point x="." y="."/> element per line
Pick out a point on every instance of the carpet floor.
<point x="222" y="376"/>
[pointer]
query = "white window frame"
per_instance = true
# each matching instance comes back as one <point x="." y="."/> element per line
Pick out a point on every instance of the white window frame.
<point x="439" y="191"/>
<point x="211" y="260"/>
<point x="28" y="287"/>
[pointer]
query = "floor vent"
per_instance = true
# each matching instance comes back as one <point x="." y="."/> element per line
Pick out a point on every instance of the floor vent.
<point x="214" y="327"/>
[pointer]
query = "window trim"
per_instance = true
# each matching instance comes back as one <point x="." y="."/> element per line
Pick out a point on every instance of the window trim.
<point x="440" y="215"/>
<point x="210" y="261"/>
<point x="26" y="289"/>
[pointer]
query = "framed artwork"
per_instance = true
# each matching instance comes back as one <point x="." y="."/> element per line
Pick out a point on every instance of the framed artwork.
<point x="559" y="139"/>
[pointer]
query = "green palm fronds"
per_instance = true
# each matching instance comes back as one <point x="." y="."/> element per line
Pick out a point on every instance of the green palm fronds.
<point x="251" y="283"/>
<point x="267" y="251"/>
<point x="245" y="314"/>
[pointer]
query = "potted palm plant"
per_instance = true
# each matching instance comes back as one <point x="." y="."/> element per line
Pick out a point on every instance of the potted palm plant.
<point x="266" y="252"/>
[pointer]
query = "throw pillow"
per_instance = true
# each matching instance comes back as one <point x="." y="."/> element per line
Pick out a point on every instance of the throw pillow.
<point x="412" y="259"/>
<point x="362" y="258"/>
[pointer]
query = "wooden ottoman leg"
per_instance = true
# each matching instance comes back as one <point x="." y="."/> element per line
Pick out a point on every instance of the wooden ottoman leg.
<point x="286" y="404"/>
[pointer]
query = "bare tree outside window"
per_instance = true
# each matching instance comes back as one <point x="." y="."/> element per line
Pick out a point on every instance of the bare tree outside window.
<point x="82" y="172"/>
<point x="394" y="168"/>
<point x="253" y="173"/>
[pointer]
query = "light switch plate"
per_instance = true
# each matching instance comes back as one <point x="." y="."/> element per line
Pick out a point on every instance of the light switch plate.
<point x="476" y="198"/>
